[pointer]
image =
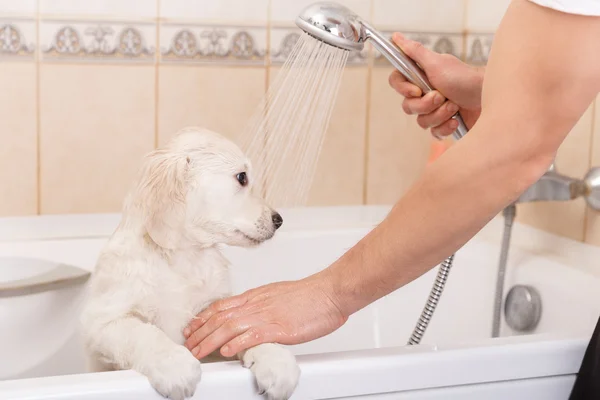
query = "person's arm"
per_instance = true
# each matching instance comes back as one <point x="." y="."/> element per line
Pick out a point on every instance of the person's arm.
<point x="544" y="71"/>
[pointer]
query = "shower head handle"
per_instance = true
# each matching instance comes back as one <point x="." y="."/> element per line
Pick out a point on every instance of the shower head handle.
<point x="407" y="67"/>
<point x="338" y="26"/>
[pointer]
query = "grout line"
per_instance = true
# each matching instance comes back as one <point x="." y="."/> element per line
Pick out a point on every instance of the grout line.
<point x="594" y="121"/>
<point x="87" y="18"/>
<point x="370" y="66"/>
<point x="465" y="43"/>
<point x="38" y="153"/>
<point x="156" y="75"/>
<point x="587" y="214"/>
<point x="465" y="32"/>
<point x="268" y="47"/>
<point x="267" y="75"/>
<point x="126" y="64"/>
<point x="465" y="13"/>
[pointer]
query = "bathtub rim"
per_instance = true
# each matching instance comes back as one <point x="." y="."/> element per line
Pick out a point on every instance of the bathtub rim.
<point x="359" y="372"/>
<point x="339" y="219"/>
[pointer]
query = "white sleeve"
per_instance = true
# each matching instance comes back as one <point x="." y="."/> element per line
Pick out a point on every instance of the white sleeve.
<point x="581" y="7"/>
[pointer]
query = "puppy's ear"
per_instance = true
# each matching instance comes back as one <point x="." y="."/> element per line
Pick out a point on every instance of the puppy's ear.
<point x="162" y="197"/>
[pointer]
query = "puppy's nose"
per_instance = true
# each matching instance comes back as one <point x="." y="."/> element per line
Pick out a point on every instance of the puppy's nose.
<point x="277" y="220"/>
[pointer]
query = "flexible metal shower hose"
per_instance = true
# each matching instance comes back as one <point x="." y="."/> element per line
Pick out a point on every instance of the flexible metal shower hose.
<point x="432" y="301"/>
<point x="442" y="277"/>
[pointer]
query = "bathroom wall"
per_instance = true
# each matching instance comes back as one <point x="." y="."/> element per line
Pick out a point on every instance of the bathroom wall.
<point x="89" y="87"/>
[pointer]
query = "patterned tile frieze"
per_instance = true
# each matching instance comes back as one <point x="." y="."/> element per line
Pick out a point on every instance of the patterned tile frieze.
<point x="17" y="39"/>
<point x="212" y="44"/>
<point x="478" y="48"/>
<point x="97" y="41"/>
<point x="121" y="41"/>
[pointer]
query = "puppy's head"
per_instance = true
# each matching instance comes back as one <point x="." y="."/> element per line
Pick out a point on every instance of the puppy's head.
<point x="196" y="190"/>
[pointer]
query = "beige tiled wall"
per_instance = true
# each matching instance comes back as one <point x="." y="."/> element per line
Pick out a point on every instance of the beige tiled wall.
<point x="18" y="135"/>
<point x="96" y="122"/>
<point x="89" y="87"/>
<point x="221" y="98"/>
<point x="573" y="159"/>
<point x="592" y="226"/>
<point x="397" y="146"/>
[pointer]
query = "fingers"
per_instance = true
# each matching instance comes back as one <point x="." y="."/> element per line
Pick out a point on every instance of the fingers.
<point x="438" y="116"/>
<point x="415" y="50"/>
<point x="220" y="336"/>
<point x="445" y="129"/>
<point x="211" y="325"/>
<point x="215" y="308"/>
<point x="252" y="337"/>
<point x="402" y="86"/>
<point x="423" y="105"/>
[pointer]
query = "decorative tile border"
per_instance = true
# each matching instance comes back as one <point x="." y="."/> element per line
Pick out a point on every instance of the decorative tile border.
<point x="97" y="41"/>
<point x="17" y="39"/>
<point x="443" y="43"/>
<point x="478" y="48"/>
<point x="283" y="40"/>
<point x="212" y="44"/>
<point x="112" y="41"/>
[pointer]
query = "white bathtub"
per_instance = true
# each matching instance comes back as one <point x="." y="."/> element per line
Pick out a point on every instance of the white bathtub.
<point x="40" y="356"/>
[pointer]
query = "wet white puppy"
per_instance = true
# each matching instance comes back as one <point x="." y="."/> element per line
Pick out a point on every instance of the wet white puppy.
<point x="162" y="266"/>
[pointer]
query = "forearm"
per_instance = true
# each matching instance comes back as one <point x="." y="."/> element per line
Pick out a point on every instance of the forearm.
<point x="530" y="102"/>
<point x="457" y="195"/>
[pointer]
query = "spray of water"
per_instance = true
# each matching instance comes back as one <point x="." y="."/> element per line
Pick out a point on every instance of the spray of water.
<point x="285" y="135"/>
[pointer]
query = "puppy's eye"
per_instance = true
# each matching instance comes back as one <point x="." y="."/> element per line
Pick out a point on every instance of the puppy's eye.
<point x="242" y="178"/>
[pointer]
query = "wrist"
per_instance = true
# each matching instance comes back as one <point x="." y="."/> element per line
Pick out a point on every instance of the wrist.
<point x="328" y="283"/>
<point x="346" y="281"/>
<point x="477" y="84"/>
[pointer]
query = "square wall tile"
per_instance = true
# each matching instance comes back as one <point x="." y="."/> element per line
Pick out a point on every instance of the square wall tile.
<point x="96" y="123"/>
<point x="18" y="7"/>
<point x="285" y="12"/>
<point x="592" y="234"/>
<point x="397" y="147"/>
<point x="340" y="174"/>
<point x="233" y="11"/>
<point x="105" y="9"/>
<point x="419" y="16"/>
<point x="218" y="98"/>
<point x="18" y="152"/>
<point x="485" y="16"/>
<point x="573" y="159"/>
<point x="339" y="169"/>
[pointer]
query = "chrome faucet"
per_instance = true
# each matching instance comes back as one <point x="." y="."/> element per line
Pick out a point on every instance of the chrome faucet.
<point x="554" y="186"/>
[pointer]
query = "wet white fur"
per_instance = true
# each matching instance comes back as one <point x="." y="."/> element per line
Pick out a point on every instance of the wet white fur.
<point x="162" y="266"/>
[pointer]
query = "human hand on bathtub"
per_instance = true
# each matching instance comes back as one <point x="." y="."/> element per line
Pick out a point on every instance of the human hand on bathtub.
<point x="458" y="89"/>
<point x="286" y="313"/>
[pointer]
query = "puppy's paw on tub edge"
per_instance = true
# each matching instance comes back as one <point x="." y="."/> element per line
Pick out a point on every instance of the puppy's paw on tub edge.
<point x="275" y="370"/>
<point x="175" y="376"/>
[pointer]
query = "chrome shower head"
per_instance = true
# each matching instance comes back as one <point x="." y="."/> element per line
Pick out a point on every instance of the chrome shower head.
<point x="334" y="24"/>
<point x="337" y="26"/>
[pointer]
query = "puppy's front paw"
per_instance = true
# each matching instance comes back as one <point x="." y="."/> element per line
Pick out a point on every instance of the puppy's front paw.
<point x="275" y="370"/>
<point x="174" y="373"/>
